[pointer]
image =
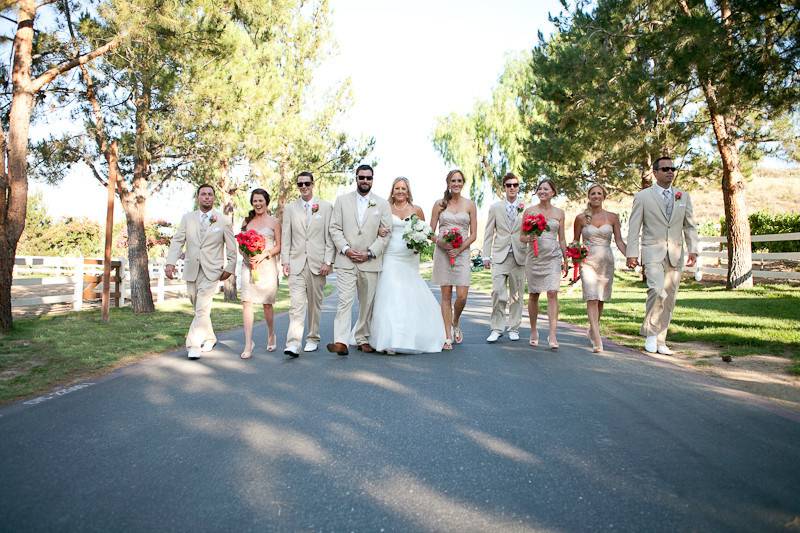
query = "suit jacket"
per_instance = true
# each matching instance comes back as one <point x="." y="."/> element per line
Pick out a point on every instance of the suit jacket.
<point x="214" y="252"/>
<point x="661" y="237"/>
<point x="346" y="230"/>
<point x="306" y="243"/>
<point x="500" y="235"/>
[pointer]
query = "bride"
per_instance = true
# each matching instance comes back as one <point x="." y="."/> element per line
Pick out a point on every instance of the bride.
<point x="406" y="317"/>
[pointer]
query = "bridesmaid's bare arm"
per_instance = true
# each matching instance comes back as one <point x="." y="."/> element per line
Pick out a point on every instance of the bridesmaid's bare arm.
<point x="621" y="246"/>
<point x="578" y="227"/>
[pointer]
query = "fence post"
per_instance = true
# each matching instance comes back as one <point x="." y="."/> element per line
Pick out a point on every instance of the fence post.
<point x="160" y="287"/>
<point x="123" y="274"/>
<point x="77" y="294"/>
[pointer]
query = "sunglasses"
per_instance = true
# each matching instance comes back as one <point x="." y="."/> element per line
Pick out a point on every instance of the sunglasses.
<point x="511" y="185"/>
<point x="367" y="178"/>
<point x="304" y="184"/>
<point x="668" y="169"/>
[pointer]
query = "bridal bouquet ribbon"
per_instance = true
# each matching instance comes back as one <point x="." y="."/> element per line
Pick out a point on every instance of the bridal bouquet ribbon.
<point x="251" y="243"/>
<point x="535" y="225"/>
<point x="454" y="239"/>
<point x="417" y="234"/>
<point x="577" y="252"/>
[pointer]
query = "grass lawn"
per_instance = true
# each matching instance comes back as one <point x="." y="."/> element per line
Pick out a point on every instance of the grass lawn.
<point x="50" y="350"/>
<point x="762" y="320"/>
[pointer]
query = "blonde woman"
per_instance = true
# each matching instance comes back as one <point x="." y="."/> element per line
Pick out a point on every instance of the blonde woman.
<point x="415" y="326"/>
<point x="453" y="211"/>
<point x="544" y="270"/>
<point x="595" y="227"/>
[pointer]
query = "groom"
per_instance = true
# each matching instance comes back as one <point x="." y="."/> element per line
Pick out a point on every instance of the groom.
<point x="210" y="258"/>
<point x="357" y="217"/>
<point x="663" y="215"/>
<point x="505" y="254"/>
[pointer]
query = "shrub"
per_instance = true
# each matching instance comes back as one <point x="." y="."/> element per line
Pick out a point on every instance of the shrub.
<point x="763" y="223"/>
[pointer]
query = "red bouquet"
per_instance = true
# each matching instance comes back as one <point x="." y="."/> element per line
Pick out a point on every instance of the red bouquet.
<point x="251" y="243"/>
<point x="534" y="225"/>
<point x="577" y="252"/>
<point x="454" y="238"/>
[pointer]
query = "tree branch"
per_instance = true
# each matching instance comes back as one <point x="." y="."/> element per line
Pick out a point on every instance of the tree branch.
<point x="52" y="73"/>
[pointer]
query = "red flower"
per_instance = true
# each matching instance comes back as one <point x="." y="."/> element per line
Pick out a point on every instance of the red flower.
<point x="520" y="207"/>
<point x="454" y="238"/>
<point x="678" y="195"/>
<point x="535" y="225"/>
<point x="314" y="208"/>
<point x="251" y="243"/>
<point x="577" y="253"/>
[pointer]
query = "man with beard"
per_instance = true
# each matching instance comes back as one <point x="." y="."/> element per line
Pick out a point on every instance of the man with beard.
<point x="355" y="224"/>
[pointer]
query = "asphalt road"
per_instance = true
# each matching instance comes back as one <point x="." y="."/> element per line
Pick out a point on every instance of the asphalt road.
<point x="484" y="438"/>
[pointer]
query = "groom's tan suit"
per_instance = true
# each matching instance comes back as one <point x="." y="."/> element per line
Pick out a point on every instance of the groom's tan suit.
<point x="210" y="250"/>
<point x="306" y="245"/>
<point x="348" y="231"/>
<point x="501" y="243"/>
<point x="662" y="250"/>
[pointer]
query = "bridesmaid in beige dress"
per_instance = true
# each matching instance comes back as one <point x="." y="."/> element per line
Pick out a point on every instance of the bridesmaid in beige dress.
<point x="544" y="271"/>
<point x="453" y="211"/>
<point x="266" y="263"/>
<point x="596" y="227"/>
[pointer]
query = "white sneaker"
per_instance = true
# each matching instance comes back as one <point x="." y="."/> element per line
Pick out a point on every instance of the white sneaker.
<point x="292" y="351"/>
<point x="207" y="346"/>
<point x="513" y="335"/>
<point x="310" y="346"/>
<point x="651" y="344"/>
<point x="493" y="336"/>
<point x="193" y="353"/>
<point x="663" y="349"/>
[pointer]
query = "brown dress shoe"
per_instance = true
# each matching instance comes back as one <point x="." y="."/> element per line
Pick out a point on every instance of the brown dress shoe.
<point x="338" y="348"/>
<point x="366" y="348"/>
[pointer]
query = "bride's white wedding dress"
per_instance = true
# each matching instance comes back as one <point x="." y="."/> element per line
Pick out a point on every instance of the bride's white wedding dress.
<point x="406" y="317"/>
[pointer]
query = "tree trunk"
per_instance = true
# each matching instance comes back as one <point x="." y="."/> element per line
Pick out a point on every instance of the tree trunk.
<point x="226" y="199"/>
<point x="740" y="255"/>
<point x="14" y="193"/>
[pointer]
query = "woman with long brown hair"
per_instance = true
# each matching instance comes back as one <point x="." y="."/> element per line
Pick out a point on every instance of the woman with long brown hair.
<point x="264" y="290"/>
<point x="451" y="266"/>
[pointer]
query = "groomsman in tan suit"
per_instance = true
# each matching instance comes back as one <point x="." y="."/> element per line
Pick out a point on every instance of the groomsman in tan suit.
<point x="504" y="253"/>
<point x="663" y="215"/>
<point x="307" y="255"/>
<point x="357" y="218"/>
<point x="210" y="258"/>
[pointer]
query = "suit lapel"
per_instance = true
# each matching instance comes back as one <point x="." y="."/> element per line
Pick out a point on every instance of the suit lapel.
<point x="659" y="199"/>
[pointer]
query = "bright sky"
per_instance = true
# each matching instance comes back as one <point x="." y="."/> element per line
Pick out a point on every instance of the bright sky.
<point x="409" y="62"/>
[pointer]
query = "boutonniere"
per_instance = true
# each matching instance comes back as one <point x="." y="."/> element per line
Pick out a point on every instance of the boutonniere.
<point x="314" y="208"/>
<point x="520" y="207"/>
<point x="678" y="195"/>
<point x="371" y="204"/>
<point x="212" y="219"/>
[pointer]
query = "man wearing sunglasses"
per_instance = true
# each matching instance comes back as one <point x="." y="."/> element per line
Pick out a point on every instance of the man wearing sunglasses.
<point x="307" y="255"/>
<point x="504" y="253"/>
<point x="357" y="219"/>
<point x="663" y="216"/>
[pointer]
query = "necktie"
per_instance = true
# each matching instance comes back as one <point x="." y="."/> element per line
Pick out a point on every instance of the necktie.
<point x="308" y="213"/>
<point x="510" y="210"/>
<point x="668" y="204"/>
<point x="204" y="223"/>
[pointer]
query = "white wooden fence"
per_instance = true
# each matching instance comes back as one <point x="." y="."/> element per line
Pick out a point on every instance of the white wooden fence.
<point x="709" y="262"/>
<point x="75" y="280"/>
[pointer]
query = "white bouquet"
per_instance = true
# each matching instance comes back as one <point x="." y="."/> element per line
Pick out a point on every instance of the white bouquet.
<point x="417" y="234"/>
